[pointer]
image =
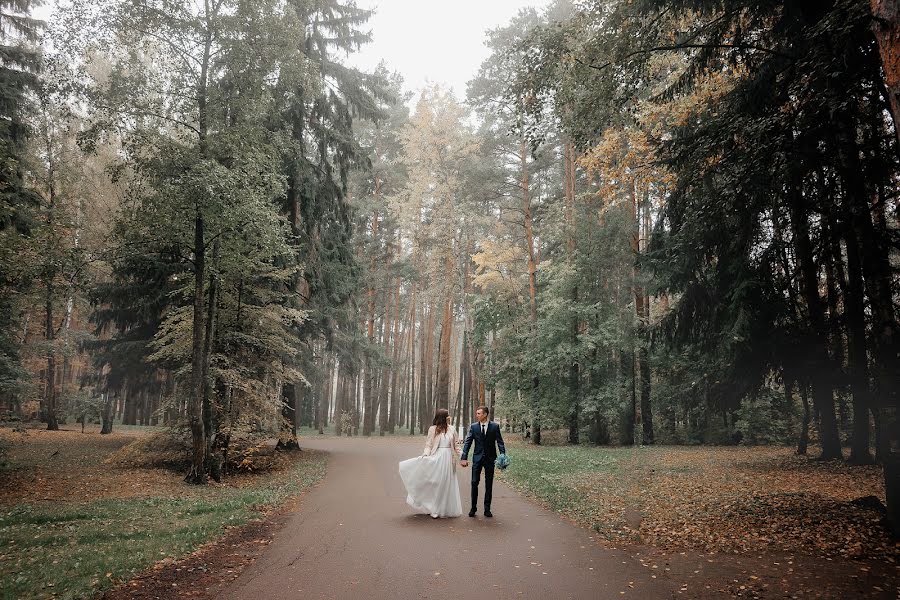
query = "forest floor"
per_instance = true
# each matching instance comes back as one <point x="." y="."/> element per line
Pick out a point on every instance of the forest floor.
<point x="782" y="525"/>
<point x="73" y="523"/>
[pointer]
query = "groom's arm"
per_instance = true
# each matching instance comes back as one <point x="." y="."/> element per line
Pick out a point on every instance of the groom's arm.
<point x="466" y="445"/>
<point x="500" y="441"/>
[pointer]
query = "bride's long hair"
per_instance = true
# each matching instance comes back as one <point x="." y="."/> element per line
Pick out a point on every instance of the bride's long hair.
<point x="440" y="420"/>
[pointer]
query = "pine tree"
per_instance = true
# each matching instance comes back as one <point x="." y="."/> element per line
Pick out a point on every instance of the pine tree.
<point x="19" y="68"/>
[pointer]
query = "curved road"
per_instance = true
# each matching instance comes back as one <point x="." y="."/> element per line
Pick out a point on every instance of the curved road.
<point x="354" y="536"/>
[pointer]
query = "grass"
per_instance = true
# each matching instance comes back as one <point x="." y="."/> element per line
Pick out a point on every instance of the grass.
<point x="721" y="499"/>
<point x="71" y="550"/>
<point x="548" y="473"/>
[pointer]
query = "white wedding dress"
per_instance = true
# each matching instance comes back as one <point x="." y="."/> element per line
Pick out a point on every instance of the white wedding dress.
<point x="430" y="481"/>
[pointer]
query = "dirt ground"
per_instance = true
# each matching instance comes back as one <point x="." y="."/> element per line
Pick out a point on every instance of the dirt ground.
<point x="72" y="466"/>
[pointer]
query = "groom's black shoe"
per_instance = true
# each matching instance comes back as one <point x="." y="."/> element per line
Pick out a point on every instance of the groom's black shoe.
<point x="488" y="513"/>
<point x="472" y="513"/>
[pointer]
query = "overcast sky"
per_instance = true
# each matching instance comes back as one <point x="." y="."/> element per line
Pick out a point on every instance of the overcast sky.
<point x="434" y="40"/>
<point x="439" y="41"/>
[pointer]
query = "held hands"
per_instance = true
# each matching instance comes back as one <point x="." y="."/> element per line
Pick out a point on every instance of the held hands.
<point x="464" y="463"/>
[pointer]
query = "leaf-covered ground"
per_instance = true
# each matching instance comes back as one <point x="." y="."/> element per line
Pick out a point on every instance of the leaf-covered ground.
<point x="734" y="521"/>
<point x="722" y="499"/>
<point x="72" y="524"/>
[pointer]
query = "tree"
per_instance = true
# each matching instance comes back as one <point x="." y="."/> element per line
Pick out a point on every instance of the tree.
<point x="206" y="163"/>
<point x="318" y="110"/>
<point x="19" y="68"/>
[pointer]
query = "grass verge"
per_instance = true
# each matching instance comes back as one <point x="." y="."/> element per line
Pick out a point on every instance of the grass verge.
<point x="72" y="550"/>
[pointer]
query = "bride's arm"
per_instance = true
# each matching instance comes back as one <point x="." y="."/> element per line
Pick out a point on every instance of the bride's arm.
<point x="429" y="441"/>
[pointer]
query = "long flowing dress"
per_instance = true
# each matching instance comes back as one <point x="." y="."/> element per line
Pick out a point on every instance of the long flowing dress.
<point x="430" y="481"/>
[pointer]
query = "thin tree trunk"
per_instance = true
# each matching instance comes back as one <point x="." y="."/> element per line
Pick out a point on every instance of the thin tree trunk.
<point x="574" y="383"/>
<point x="425" y="393"/>
<point x="50" y="406"/>
<point x="646" y="408"/>
<point x="339" y="401"/>
<point x="803" y="442"/>
<point x="442" y="399"/>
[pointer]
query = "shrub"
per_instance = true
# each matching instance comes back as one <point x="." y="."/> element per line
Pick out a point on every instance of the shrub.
<point x="763" y="419"/>
<point x="171" y="449"/>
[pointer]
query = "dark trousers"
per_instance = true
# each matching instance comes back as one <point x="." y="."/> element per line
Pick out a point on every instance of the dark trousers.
<point x="488" y="466"/>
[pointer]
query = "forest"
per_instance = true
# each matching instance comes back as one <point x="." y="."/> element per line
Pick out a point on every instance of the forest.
<point x="645" y="222"/>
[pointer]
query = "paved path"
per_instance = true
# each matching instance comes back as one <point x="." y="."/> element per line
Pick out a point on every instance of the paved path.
<point x="355" y="537"/>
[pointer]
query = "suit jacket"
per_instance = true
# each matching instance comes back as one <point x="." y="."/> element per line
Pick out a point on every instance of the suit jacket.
<point x="433" y="439"/>
<point x="485" y="445"/>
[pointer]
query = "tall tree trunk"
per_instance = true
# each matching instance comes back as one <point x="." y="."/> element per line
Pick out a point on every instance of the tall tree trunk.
<point x="370" y="329"/>
<point x="328" y="395"/>
<point x="532" y="281"/>
<point x="855" y="318"/>
<point x="317" y="400"/>
<point x="823" y="398"/>
<point x="413" y="324"/>
<point x="398" y="345"/>
<point x="210" y="417"/>
<point x="422" y="385"/>
<point x="574" y="373"/>
<point x="339" y="400"/>
<point x="442" y="391"/>
<point x="197" y="473"/>
<point x="50" y="395"/>
<point x="886" y="27"/>
<point x="529" y="229"/>
<point x="646" y="408"/>
<point x="430" y="373"/>
<point x="106" y="414"/>
<point x="641" y="354"/>
<point x="356" y="405"/>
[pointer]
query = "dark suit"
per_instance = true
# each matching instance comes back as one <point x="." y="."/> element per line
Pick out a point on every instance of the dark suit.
<point x="483" y="458"/>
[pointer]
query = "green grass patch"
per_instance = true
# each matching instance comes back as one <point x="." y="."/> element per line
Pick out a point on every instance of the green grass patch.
<point x="551" y="475"/>
<point x="62" y="550"/>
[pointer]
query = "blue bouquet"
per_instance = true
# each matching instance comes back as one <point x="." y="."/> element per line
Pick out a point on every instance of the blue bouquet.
<point x="503" y="461"/>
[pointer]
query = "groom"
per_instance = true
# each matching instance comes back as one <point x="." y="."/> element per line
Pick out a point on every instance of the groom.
<point x="486" y="434"/>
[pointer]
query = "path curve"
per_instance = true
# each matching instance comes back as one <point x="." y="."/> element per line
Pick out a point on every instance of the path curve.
<point x="354" y="536"/>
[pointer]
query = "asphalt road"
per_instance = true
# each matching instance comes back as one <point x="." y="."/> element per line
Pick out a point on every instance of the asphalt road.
<point x="354" y="536"/>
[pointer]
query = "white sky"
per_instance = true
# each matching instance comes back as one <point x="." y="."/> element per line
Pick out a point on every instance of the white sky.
<point x="435" y="41"/>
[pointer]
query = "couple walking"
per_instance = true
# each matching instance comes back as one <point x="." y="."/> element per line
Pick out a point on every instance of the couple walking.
<point x="430" y="479"/>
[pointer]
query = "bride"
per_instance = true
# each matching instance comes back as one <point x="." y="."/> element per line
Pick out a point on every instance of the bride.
<point x="430" y="479"/>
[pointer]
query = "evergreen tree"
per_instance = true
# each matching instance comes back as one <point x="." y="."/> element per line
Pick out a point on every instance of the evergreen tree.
<point x="19" y="68"/>
<point x="318" y="112"/>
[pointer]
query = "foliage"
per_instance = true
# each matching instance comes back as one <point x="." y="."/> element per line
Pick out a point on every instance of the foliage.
<point x="764" y="420"/>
